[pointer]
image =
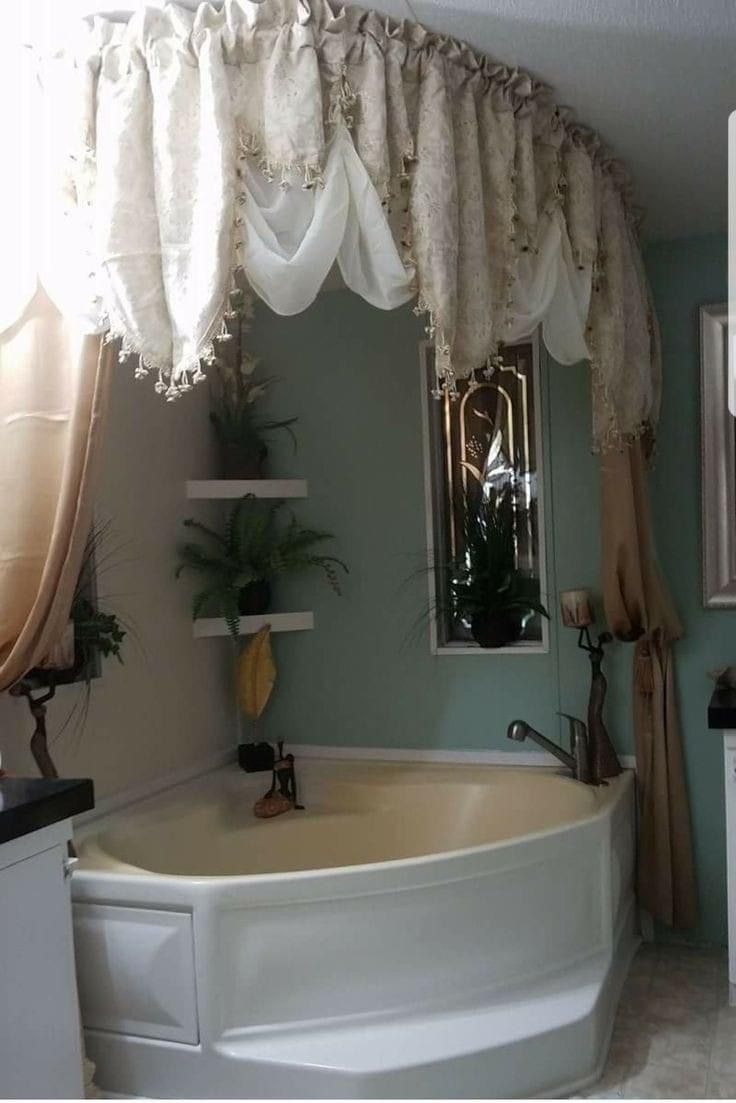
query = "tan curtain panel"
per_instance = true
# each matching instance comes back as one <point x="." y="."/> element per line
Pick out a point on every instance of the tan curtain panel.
<point x="638" y="609"/>
<point x="53" y="388"/>
<point x="210" y="142"/>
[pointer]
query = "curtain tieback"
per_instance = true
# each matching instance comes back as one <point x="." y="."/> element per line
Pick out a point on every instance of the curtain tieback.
<point x="643" y="675"/>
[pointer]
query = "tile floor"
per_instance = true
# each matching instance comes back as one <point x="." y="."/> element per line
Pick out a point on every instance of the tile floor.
<point x="674" y="1035"/>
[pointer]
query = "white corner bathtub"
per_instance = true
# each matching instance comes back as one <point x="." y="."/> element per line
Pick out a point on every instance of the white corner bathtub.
<point x="417" y="931"/>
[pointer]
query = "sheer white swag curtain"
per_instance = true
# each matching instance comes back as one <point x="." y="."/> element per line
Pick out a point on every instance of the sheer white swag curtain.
<point x="280" y="136"/>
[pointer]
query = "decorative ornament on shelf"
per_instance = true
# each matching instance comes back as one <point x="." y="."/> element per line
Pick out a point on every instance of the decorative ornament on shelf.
<point x="576" y="607"/>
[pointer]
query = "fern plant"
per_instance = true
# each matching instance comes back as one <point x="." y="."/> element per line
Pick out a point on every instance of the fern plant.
<point x="485" y="584"/>
<point x="253" y="548"/>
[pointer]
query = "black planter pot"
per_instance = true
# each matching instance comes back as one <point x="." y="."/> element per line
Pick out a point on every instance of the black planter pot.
<point x="254" y="598"/>
<point x="495" y="629"/>
<point x="240" y="463"/>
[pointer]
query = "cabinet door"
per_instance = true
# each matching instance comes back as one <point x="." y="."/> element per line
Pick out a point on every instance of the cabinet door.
<point x="40" y="1053"/>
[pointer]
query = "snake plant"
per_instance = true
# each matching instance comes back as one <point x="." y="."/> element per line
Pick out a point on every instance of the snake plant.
<point x="484" y="582"/>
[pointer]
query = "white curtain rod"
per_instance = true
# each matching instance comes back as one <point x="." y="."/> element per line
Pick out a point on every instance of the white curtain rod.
<point x="41" y="24"/>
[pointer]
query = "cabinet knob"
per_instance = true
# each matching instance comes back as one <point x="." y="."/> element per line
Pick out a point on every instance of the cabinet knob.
<point x="69" y="864"/>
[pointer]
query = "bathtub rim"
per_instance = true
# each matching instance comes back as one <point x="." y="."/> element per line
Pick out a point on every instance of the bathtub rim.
<point x="84" y="880"/>
<point x="136" y="793"/>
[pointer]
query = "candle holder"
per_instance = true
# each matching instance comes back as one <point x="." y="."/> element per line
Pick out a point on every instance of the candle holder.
<point x="576" y="607"/>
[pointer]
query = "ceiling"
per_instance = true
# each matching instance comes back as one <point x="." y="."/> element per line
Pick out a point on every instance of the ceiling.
<point x="656" y="79"/>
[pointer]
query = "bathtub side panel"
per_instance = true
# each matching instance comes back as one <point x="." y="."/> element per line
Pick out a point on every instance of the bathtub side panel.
<point x="528" y="908"/>
<point x="135" y="969"/>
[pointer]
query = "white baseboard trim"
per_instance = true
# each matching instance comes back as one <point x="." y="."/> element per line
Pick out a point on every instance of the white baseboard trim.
<point x="419" y="754"/>
<point x="148" y="788"/>
<point x="141" y="790"/>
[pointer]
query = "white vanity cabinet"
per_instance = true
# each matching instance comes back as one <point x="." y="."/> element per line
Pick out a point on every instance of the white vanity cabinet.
<point x="40" y="1046"/>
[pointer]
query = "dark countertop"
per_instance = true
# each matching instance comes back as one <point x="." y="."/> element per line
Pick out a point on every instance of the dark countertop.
<point x="722" y="709"/>
<point x="30" y="803"/>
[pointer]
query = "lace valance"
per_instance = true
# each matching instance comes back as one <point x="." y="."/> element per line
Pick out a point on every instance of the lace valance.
<point x="279" y="137"/>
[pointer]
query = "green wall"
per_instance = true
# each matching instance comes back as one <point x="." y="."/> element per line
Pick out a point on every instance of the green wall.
<point x="365" y="676"/>
<point x="685" y="275"/>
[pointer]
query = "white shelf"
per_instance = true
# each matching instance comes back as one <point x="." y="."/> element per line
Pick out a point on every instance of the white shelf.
<point x="280" y="622"/>
<point x="237" y="488"/>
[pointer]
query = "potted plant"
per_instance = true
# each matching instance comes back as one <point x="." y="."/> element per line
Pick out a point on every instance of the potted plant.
<point x="242" y="433"/>
<point x="486" y="586"/>
<point x="239" y="564"/>
<point x="91" y="635"/>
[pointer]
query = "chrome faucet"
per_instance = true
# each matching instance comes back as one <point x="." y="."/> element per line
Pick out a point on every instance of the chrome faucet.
<point x="577" y="759"/>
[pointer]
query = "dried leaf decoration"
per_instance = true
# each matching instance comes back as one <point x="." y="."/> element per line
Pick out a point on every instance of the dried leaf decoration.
<point x="256" y="674"/>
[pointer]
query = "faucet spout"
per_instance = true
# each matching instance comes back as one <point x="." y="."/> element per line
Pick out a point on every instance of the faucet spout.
<point x="519" y="730"/>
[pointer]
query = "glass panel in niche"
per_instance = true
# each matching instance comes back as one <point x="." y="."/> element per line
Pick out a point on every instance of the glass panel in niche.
<point x="483" y="447"/>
